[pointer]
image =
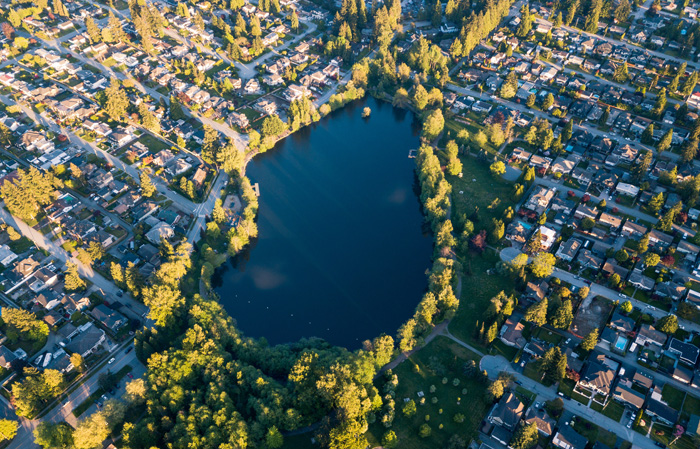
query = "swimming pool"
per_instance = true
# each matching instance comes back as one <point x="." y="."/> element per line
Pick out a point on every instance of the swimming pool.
<point x="621" y="343"/>
<point x="526" y="225"/>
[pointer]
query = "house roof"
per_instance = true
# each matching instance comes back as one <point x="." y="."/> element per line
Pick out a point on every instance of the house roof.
<point x="630" y="396"/>
<point x="570" y="438"/>
<point x="544" y="422"/>
<point x="662" y="410"/>
<point x="643" y="380"/>
<point x="599" y="376"/>
<point x="687" y="351"/>
<point x="621" y="322"/>
<point x="509" y="410"/>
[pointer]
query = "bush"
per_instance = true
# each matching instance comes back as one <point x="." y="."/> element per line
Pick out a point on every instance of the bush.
<point x="459" y="418"/>
<point x="425" y="431"/>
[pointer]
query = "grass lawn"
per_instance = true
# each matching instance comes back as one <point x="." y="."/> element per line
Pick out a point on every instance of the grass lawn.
<point x="672" y="396"/>
<point x="440" y="358"/>
<point x="20" y="245"/>
<point x="500" y="348"/>
<point x="480" y="189"/>
<point x="566" y="386"/>
<point x="594" y="433"/>
<point x="548" y="336"/>
<point x="643" y="426"/>
<point x="691" y="405"/>
<point x="664" y="435"/>
<point x="154" y="144"/>
<point x="478" y="288"/>
<point x="612" y="409"/>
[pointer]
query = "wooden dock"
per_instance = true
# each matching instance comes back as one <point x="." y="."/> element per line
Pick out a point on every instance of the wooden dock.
<point x="256" y="188"/>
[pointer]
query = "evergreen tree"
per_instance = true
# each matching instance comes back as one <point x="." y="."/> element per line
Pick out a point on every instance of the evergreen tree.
<point x="622" y="12"/>
<point x="148" y="189"/>
<point x="689" y="84"/>
<point x="525" y="25"/>
<point x="563" y="316"/>
<point x="73" y="281"/>
<point x="656" y="202"/>
<point x="537" y="313"/>
<point x="603" y="120"/>
<point x="591" y="24"/>
<point x="665" y="223"/>
<point x="92" y="30"/>
<point x="621" y="74"/>
<point x="117" y="101"/>
<point x="665" y="142"/>
<point x="525" y="436"/>
<point x="641" y="166"/>
<point x="510" y="86"/>
<point x="648" y="135"/>
<point x="688" y="151"/>
<point x="660" y="105"/>
<point x="590" y="341"/>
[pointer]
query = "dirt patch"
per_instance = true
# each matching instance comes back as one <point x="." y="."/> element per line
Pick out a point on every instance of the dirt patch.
<point x="592" y="314"/>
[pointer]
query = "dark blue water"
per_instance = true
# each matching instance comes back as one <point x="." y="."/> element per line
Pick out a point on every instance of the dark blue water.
<point x="342" y="251"/>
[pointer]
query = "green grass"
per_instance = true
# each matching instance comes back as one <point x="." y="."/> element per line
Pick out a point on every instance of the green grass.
<point x="500" y="348"/>
<point x="613" y="410"/>
<point x="594" y="433"/>
<point x="478" y="288"/>
<point x="472" y="405"/>
<point x="20" y="245"/>
<point x="685" y="442"/>
<point x="481" y="189"/>
<point x="672" y="396"/>
<point x="691" y="405"/>
<point x="548" y="336"/>
<point x="154" y="144"/>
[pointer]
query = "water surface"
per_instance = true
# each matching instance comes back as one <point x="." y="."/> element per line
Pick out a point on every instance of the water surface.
<point x="342" y="250"/>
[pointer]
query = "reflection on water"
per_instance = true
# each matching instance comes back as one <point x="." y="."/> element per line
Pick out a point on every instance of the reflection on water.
<point x="341" y="252"/>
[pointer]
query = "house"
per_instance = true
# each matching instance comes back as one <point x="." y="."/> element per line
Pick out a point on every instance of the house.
<point x="549" y="236"/>
<point x="648" y="335"/>
<point x="682" y="374"/>
<point x="507" y="412"/>
<point x="628" y="397"/>
<point x="159" y="232"/>
<point x="621" y="323"/>
<point x="659" y="239"/>
<point x="597" y="376"/>
<point x="662" y="412"/>
<point x="6" y="256"/>
<point x="539" y="201"/>
<point x="545" y="423"/>
<point x="567" y="250"/>
<point x="640" y="281"/>
<point x="568" y="438"/>
<point x="687" y="352"/>
<point x="630" y="229"/>
<point x="109" y="318"/>
<point x="6" y="357"/>
<point x="610" y="220"/>
<point x="642" y="380"/>
<point x="87" y="341"/>
<point x="512" y="332"/>
<point x="627" y="189"/>
<point x="693" y="428"/>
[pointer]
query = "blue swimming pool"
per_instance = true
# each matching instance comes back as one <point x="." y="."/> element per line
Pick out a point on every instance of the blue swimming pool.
<point x="526" y="225"/>
<point x="621" y="343"/>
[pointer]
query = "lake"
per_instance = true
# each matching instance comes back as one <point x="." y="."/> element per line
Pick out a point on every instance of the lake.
<point x="342" y="251"/>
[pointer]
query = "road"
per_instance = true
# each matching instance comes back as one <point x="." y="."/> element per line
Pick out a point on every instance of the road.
<point x="63" y="410"/>
<point x="493" y="365"/>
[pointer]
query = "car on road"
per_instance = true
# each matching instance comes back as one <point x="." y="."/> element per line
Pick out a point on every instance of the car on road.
<point x="99" y="404"/>
<point x="111" y="392"/>
<point x="660" y="444"/>
<point x="131" y="376"/>
<point x="129" y="349"/>
<point x="120" y="293"/>
<point x="568" y="340"/>
<point x="517" y="382"/>
<point x="111" y="361"/>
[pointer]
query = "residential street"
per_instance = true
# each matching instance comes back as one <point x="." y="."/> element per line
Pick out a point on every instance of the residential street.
<point x="493" y="365"/>
<point x="62" y="411"/>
